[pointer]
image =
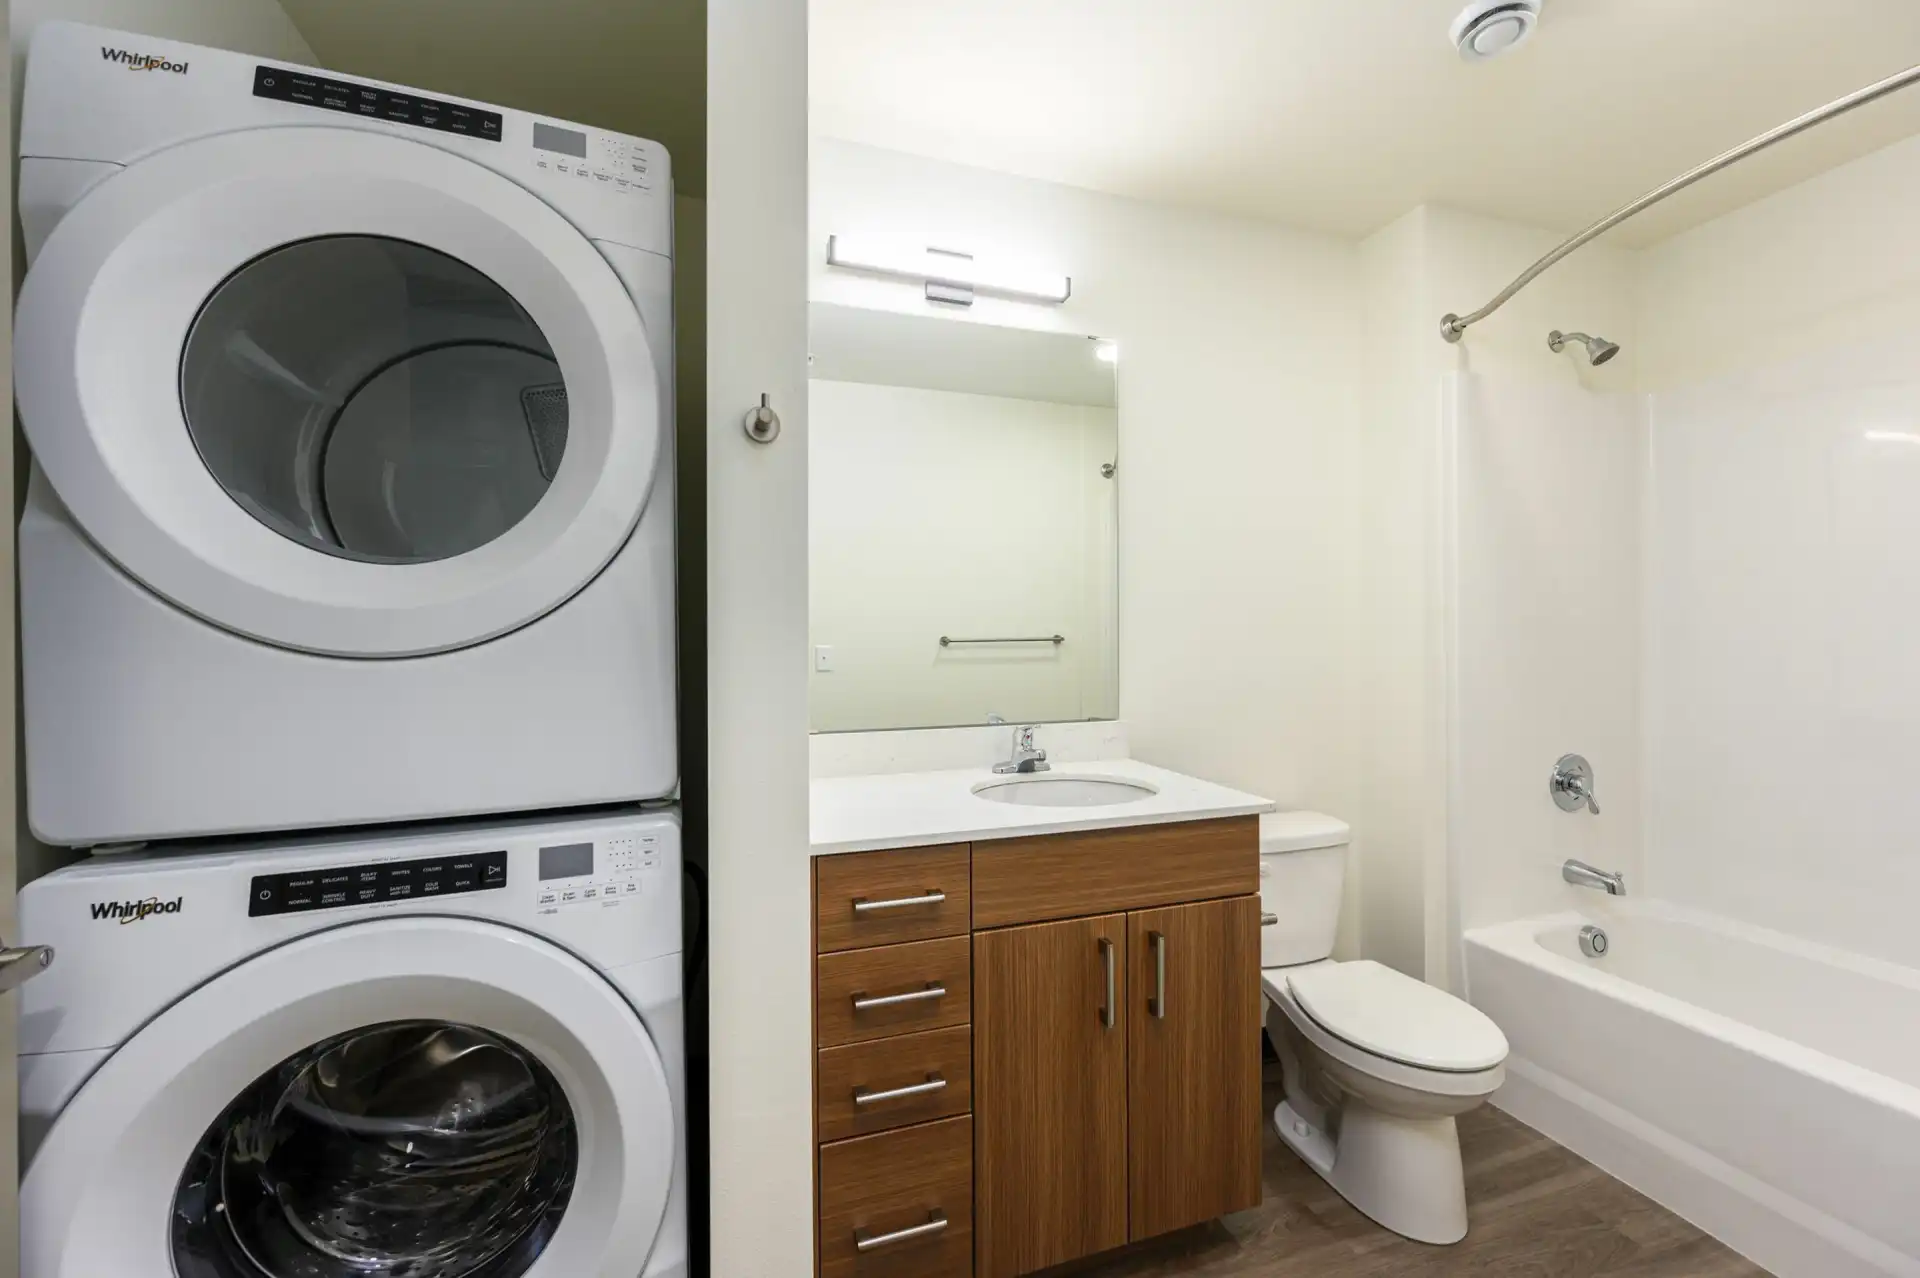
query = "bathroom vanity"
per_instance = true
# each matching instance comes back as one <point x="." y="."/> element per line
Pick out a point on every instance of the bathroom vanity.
<point x="1037" y="1039"/>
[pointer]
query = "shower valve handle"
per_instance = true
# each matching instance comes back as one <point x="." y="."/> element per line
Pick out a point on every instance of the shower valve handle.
<point x="1572" y="785"/>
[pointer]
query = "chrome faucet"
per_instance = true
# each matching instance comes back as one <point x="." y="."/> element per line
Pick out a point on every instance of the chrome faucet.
<point x="1580" y="874"/>
<point x="1025" y="758"/>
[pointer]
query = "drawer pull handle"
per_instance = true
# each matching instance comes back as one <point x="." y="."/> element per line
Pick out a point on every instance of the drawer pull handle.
<point x="1268" y="918"/>
<point x="934" y="1083"/>
<point x="932" y="896"/>
<point x="1109" y="1010"/>
<point x="864" y="1003"/>
<point x="936" y="1223"/>
<point x="1157" y="1005"/>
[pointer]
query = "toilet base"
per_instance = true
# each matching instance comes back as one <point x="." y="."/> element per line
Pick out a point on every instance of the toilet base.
<point x="1403" y="1173"/>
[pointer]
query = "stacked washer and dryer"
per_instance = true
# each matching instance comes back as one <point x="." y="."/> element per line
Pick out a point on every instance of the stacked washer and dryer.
<point x="347" y="588"/>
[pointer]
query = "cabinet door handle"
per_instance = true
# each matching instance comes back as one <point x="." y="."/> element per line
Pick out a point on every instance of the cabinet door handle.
<point x="934" y="1083"/>
<point x="1268" y="918"/>
<point x="932" y="896"/>
<point x="862" y="1003"/>
<point x="1157" y="1005"/>
<point x="864" y="1241"/>
<point x="1109" y="1010"/>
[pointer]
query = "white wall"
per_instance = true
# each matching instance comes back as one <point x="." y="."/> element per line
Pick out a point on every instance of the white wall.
<point x="941" y="513"/>
<point x="759" y="872"/>
<point x="1239" y="454"/>
<point x="1784" y="724"/>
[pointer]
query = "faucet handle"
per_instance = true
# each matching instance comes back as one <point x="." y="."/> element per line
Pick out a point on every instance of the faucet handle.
<point x="1572" y="785"/>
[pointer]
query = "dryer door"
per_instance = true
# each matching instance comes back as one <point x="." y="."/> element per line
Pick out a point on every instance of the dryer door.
<point x="434" y="1097"/>
<point x="338" y="391"/>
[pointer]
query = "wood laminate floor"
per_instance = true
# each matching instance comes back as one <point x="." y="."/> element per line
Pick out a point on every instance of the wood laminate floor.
<point x="1537" y="1211"/>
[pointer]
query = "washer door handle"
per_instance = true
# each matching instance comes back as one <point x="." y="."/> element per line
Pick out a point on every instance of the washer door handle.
<point x="21" y="963"/>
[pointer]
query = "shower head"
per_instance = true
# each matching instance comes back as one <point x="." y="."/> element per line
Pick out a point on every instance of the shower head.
<point x="1599" y="349"/>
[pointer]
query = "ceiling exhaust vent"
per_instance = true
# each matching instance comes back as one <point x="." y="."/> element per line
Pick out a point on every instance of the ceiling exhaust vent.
<point x="1488" y="28"/>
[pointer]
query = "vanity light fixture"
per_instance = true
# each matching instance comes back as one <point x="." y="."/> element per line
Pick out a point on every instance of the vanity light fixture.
<point x="949" y="275"/>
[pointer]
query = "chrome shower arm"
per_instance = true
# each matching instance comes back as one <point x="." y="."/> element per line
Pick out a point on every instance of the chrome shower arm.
<point x="1453" y="327"/>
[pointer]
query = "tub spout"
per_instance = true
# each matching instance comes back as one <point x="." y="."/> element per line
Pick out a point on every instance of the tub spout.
<point x="1580" y="874"/>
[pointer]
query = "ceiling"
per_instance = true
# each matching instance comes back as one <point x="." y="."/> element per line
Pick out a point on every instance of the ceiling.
<point x="1339" y="115"/>
<point x="635" y="66"/>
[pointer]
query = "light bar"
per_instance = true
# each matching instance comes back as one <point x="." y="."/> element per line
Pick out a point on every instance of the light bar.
<point x="945" y="270"/>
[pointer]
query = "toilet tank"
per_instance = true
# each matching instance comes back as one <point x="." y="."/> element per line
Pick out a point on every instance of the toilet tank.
<point x="1303" y="870"/>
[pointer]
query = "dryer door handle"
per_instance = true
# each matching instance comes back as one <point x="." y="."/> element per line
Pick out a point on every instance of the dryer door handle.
<point x="22" y="963"/>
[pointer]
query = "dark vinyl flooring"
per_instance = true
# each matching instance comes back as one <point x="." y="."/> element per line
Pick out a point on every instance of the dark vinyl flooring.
<point x="1536" y="1211"/>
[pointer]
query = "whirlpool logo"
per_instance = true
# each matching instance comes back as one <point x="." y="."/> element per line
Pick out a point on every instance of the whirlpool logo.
<point x="134" y="911"/>
<point x="142" y="61"/>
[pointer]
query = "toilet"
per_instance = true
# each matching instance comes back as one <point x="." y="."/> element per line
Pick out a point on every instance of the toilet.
<point x="1376" y="1063"/>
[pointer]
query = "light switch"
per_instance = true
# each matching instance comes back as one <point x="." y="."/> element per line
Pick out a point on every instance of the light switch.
<point x="823" y="658"/>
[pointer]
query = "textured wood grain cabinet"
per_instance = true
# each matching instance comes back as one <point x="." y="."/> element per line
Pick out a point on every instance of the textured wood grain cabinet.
<point x="1101" y="1055"/>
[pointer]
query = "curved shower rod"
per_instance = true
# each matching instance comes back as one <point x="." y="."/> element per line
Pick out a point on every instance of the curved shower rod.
<point x="1453" y="327"/>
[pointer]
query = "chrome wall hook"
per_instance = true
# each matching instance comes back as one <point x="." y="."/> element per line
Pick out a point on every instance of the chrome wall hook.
<point x="762" y="424"/>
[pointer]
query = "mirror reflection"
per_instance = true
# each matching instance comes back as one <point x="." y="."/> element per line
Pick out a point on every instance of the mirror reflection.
<point x="962" y="521"/>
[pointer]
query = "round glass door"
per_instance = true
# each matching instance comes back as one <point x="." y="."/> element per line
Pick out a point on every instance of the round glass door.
<point x="411" y="1149"/>
<point x="374" y="399"/>
<point x="350" y="426"/>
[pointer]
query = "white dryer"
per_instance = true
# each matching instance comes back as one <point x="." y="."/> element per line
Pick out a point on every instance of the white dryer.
<point x="351" y="414"/>
<point x="448" y="1053"/>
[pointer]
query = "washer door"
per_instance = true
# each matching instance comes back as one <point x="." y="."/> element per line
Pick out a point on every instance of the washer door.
<point x="427" y="1097"/>
<point x="338" y="391"/>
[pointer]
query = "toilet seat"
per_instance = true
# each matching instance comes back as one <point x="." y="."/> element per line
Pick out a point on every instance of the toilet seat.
<point x="1277" y="984"/>
<point x="1391" y="1015"/>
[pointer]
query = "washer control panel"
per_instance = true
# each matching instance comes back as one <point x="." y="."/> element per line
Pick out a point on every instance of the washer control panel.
<point x="375" y="883"/>
<point x="608" y="162"/>
<point x="350" y="98"/>
<point x="594" y="876"/>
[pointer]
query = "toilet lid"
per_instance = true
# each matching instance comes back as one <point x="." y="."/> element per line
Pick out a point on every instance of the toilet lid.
<point x="1390" y="1014"/>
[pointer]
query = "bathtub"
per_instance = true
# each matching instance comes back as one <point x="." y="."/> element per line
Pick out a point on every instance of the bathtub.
<point x="1765" y="1087"/>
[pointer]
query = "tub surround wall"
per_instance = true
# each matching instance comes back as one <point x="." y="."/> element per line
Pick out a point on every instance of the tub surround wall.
<point x="1784" y="709"/>
<point x="1784" y="712"/>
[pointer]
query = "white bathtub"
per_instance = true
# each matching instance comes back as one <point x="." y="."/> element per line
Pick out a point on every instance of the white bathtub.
<point x="1764" y="1087"/>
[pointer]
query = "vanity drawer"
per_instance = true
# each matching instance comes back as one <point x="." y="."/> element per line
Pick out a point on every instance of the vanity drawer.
<point x="1063" y="876"/>
<point x="937" y="1065"/>
<point x="896" y="989"/>
<point x="883" y="898"/>
<point x="918" y="1179"/>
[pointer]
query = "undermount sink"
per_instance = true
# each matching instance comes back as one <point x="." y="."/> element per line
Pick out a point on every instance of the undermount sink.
<point x="1038" y="790"/>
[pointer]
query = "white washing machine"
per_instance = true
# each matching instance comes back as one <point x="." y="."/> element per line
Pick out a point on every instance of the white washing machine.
<point x="448" y="1053"/>
<point x="351" y="415"/>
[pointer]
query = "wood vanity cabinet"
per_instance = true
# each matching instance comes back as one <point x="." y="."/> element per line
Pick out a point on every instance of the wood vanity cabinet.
<point x="1102" y="1052"/>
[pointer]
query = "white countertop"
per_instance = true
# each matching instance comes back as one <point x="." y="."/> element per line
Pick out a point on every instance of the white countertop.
<point x="915" y="809"/>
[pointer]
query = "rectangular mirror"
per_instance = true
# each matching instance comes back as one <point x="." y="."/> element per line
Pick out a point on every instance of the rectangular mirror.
<point x="962" y="515"/>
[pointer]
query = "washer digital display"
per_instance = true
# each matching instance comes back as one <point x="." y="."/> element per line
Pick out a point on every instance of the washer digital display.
<point x="550" y="137"/>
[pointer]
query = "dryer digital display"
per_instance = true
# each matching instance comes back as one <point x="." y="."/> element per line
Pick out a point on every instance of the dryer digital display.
<point x="336" y="886"/>
<point x="345" y="96"/>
